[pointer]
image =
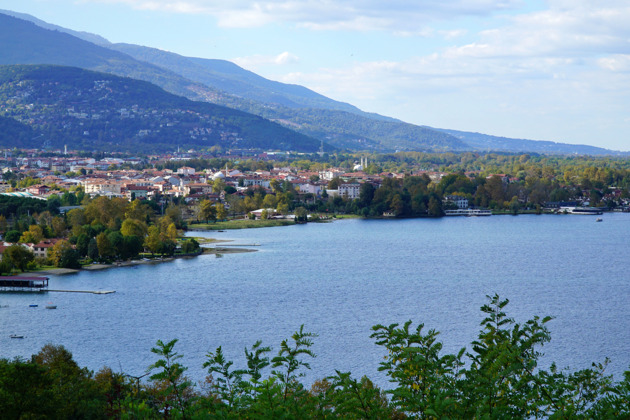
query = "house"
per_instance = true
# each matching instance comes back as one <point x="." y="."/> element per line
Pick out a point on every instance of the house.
<point x="186" y="171"/>
<point x="38" y="189"/>
<point x="350" y="190"/>
<point x="197" y="188"/>
<point x="42" y="249"/>
<point x="258" y="213"/>
<point x="458" y="200"/>
<point x="138" y="191"/>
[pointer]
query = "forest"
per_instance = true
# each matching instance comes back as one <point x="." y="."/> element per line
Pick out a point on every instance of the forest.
<point x="498" y="376"/>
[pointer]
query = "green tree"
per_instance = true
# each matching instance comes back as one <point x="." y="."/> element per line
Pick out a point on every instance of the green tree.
<point x="170" y="372"/>
<point x="221" y="211"/>
<point x="207" y="211"/>
<point x="33" y="235"/>
<point x="64" y="255"/>
<point x="105" y="248"/>
<point x="301" y="215"/>
<point x="19" y="256"/>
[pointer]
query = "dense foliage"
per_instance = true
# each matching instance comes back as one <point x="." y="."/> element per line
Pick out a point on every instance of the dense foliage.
<point x="497" y="377"/>
<point x="88" y="110"/>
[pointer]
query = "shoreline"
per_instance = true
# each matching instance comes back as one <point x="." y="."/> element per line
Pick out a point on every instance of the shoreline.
<point x="131" y="263"/>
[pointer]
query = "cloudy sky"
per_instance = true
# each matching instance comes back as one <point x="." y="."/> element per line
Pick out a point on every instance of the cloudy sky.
<point x="545" y="70"/>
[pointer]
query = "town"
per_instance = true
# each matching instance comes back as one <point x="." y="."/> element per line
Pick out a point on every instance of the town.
<point x="111" y="207"/>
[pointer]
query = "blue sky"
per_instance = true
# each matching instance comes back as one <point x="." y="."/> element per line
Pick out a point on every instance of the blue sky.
<point x="545" y="70"/>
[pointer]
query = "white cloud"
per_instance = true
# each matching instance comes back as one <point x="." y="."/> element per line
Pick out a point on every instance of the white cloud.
<point x="615" y="63"/>
<point x="256" y="61"/>
<point x="363" y="15"/>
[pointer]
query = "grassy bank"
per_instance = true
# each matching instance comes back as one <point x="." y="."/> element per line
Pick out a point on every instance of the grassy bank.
<point x="241" y="224"/>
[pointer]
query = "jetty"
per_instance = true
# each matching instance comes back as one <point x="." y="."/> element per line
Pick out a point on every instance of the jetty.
<point x="94" y="292"/>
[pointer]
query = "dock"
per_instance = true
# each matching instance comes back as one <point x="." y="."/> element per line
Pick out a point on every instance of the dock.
<point x="94" y="292"/>
<point x="23" y="284"/>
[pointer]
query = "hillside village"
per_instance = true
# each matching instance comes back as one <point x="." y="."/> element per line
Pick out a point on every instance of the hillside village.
<point x="50" y="175"/>
<point x="104" y="208"/>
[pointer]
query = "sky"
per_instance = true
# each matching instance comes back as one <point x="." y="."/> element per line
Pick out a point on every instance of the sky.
<point x="554" y="70"/>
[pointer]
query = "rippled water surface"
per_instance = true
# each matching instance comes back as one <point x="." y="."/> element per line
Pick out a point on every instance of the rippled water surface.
<point x="340" y="279"/>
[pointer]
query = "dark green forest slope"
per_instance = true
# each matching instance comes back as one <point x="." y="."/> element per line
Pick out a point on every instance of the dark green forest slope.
<point x="88" y="110"/>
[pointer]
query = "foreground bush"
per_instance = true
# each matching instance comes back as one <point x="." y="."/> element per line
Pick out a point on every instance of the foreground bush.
<point x="498" y="377"/>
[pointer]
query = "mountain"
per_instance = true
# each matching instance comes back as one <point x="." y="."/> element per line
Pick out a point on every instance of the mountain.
<point x="98" y="111"/>
<point x="224" y="83"/>
<point x="23" y="42"/>
<point x="15" y="134"/>
<point x="86" y="36"/>
<point x="232" y="79"/>
<point x="297" y="107"/>
<point x="485" y="142"/>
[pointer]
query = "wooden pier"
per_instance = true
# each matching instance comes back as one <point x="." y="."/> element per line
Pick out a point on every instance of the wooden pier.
<point x="94" y="292"/>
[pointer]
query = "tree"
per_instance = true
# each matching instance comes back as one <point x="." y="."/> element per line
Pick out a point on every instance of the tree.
<point x="269" y="202"/>
<point x="207" y="211"/>
<point x="221" y="211"/>
<point x="105" y="249"/>
<point x="152" y="241"/>
<point x="189" y="246"/>
<point x="71" y="385"/>
<point x="366" y="194"/>
<point x="33" y="235"/>
<point x="19" y="256"/>
<point x="92" y="251"/>
<point x="301" y="215"/>
<point x="26" y="391"/>
<point x="282" y="208"/>
<point x="334" y="183"/>
<point x="133" y="227"/>
<point x="64" y="255"/>
<point x="218" y="185"/>
<point x="58" y="226"/>
<point x="12" y="236"/>
<point x="171" y="373"/>
<point x="435" y="207"/>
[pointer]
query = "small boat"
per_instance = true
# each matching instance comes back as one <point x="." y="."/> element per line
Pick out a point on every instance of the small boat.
<point x="16" y="336"/>
<point x="599" y="219"/>
<point x="51" y="306"/>
<point x="33" y="305"/>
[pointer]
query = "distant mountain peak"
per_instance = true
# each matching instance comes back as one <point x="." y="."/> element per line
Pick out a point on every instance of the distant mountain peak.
<point x="86" y="36"/>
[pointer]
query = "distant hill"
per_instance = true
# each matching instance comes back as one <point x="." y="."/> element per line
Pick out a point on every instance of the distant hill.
<point x="98" y="111"/>
<point x="297" y="107"/>
<point x="15" y="134"/>
<point x="23" y="42"/>
<point x="232" y="79"/>
<point x="220" y="82"/>
<point x="485" y="142"/>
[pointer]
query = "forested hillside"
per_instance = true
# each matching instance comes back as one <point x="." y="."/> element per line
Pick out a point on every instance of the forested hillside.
<point x="88" y="110"/>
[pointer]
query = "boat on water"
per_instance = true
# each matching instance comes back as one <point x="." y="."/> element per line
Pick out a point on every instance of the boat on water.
<point x="51" y="306"/>
<point x="33" y="305"/>
<point x="581" y="210"/>
<point x="16" y="336"/>
<point x="599" y="219"/>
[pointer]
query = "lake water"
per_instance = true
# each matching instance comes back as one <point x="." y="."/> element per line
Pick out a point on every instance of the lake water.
<point x="340" y="279"/>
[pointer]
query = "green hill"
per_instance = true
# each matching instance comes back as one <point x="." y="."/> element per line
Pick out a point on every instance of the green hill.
<point x="90" y="110"/>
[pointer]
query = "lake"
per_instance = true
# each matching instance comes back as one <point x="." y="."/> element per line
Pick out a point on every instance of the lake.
<point x="339" y="279"/>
